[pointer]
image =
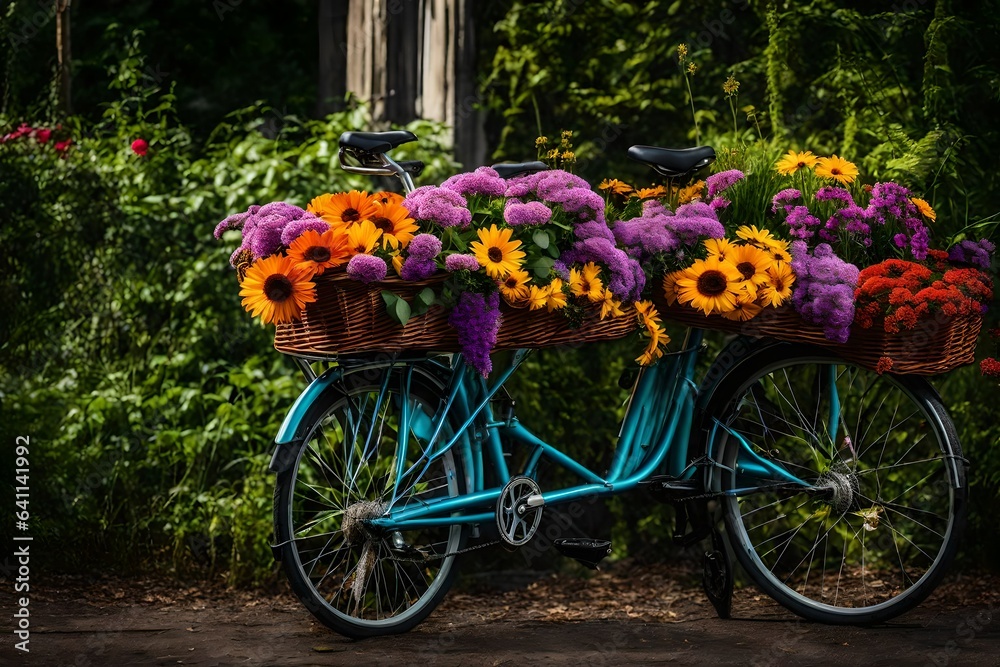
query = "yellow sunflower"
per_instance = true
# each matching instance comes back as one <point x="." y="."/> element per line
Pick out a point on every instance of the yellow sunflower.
<point x="537" y="296"/>
<point x="615" y="186"/>
<point x="556" y="298"/>
<point x="752" y="263"/>
<point x="317" y="252"/>
<point x="361" y="238"/>
<point x="610" y="306"/>
<point x="778" y="287"/>
<point x="587" y="282"/>
<point x="342" y="209"/>
<point x="396" y="224"/>
<point x="762" y="238"/>
<point x="721" y="248"/>
<point x="837" y="168"/>
<point x="495" y="251"/>
<point x="924" y="208"/>
<point x="793" y="161"/>
<point x="710" y="285"/>
<point x="514" y="287"/>
<point x="397" y="263"/>
<point x="745" y="308"/>
<point x="650" y="193"/>
<point x="276" y="289"/>
<point x="670" y="287"/>
<point x="780" y="254"/>
<point x="650" y="321"/>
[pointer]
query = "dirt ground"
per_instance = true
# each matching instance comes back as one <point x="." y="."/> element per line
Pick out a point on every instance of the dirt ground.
<point x="621" y="616"/>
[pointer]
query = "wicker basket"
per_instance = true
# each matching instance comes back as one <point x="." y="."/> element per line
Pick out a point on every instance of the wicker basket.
<point x="935" y="345"/>
<point x="349" y="317"/>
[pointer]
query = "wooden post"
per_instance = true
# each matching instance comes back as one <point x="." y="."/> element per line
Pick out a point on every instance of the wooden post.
<point x="64" y="55"/>
<point x="332" y="56"/>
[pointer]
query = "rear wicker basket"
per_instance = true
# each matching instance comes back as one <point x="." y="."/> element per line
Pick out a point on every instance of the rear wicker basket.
<point x="935" y="345"/>
<point x="349" y="317"/>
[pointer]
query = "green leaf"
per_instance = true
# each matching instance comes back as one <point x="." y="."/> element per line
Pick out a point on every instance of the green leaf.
<point x="423" y="301"/>
<point x="542" y="266"/>
<point x="541" y="239"/>
<point x="396" y="308"/>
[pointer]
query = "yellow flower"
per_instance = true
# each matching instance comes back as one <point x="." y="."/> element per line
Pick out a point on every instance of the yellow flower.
<point x="649" y="193"/>
<point x="277" y="289"/>
<point x="495" y="251"/>
<point x="721" y="248"/>
<point x="793" y="161"/>
<point x="670" y="287"/>
<point x="682" y="52"/>
<point x="710" y="285"/>
<point x="761" y="238"/>
<point x="396" y="224"/>
<point x="541" y="141"/>
<point x="610" y="306"/>
<point x="778" y="287"/>
<point x="924" y="208"/>
<point x="745" y="309"/>
<point x="658" y="337"/>
<point x="568" y="156"/>
<point x="552" y="154"/>
<point x="515" y="286"/>
<point x="691" y="192"/>
<point x="317" y="252"/>
<point x="387" y="197"/>
<point x="537" y="296"/>
<point x="587" y="282"/>
<point x="780" y="254"/>
<point x="752" y="263"/>
<point x="556" y="298"/>
<point x="837" y="168"/>
<point x="345" y="208"/>
<point x="397" y="263"/>
<point x="361" y="238"/>
<point x="616" y="186"/>
<point x="731" y="86"/>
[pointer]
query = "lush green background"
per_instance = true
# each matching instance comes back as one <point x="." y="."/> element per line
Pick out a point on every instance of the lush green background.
<point x="149" y="395"/>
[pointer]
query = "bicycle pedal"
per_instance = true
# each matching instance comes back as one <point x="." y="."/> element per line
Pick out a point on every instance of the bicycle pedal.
<point x="585" y="550"/>
<point x="668" y="489"/>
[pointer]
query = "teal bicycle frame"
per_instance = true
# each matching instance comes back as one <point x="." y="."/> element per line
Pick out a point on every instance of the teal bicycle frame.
<point x="654" y="438"/>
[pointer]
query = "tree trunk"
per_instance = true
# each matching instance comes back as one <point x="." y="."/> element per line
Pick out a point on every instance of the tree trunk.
<point x="64" y="56"/>
<point x="332" y="56"/>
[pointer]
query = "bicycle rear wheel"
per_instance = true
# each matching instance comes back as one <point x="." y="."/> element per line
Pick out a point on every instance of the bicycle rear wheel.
<point x="359" y="581"/>
<point x="882" y="517"/>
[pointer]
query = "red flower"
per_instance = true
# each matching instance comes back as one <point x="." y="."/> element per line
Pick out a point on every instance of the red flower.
<point x="884" y="365"/>
<point x="990" y="367"/>
<point x="43" y="136"/>
<point x="63" y="146"/>
<point x="140" y="147"/>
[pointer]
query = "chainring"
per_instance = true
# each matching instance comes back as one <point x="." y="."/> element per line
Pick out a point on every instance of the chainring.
<point x="516" y="521"/>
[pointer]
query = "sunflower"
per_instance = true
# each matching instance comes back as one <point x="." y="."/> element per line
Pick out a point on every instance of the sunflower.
<point x="497" y="252"/>
<point x="651" y="193"/>
<point x="587" y="282"/>
<point x="276" y="289"/>
<point x="780" y="254"/>
<point x="345" y="208"/>
<point x="745" y="308"/>
<point x="317" y="252"/>
<point x="537" y="296"/>
<point x="650" y="320"/>
<point x="761" y="238"/>
<point x="388" y="197"/>
<point x="610" y="306"/>
<point x="361" y="238"/>
<point x="837" y="168"/>
<point x="721" y="248"/>
<point x="793" y="161"/>
<point x="670" y="287"/>
<point x="556" y="298"/>
<point x="397" y="263"/>
<point x="396" y="224"/>
<point x="752" y="263"/>
<point x="924" y="208"/>
<point x="615" y="186"/>
<point x="710" y="285"/>
<point x="778" y="287"/>
<point x="515" y="286"/>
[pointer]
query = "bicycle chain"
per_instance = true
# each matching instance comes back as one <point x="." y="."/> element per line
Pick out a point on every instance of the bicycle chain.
<point x="445" y="555"/>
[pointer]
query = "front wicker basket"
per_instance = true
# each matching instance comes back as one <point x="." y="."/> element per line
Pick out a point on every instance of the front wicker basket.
<point x="349" y="317"/>
<point x="936" y="345"/>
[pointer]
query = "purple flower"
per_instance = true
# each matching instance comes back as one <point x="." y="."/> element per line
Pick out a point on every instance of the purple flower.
<point x="784" y="198"/>
<point x="477" y="320"/>
<point x="593" y="230"/>
<point x="624" y="270"/>
<point x="459" y="262"/>
<point x="831" y="193"/>
<point x="719" y="203"/>
<point x="533" y="213"/>
<point x="367" y="268"/>
<point x="716" y="183"/>
<point x="484" y="181"/>
<point x="972" y="252"/>
<point x="416" y="268"/>
<point x="424" y="247"/>
<point x="438" y="205"/>
<point x="263" y="226"/>
<point x="265" y="237"/>
<point x="296" y="228"/>
<point x="802" y="224"/>
<point x="652" y="207"/>
<point x="824" y="289"/>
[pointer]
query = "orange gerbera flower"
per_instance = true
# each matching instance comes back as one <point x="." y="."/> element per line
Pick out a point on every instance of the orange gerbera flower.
<point x="924" y="208"/>
<point x="317" y="252"/>
<point x="396" y="224"/>
<point x="649" y="193"/>
<point x="616" y="186"/>
<point x="361" y="238"/>
<point x="343" y="209"/>
<point x="388" y="197"/>
<point x="276" y="289"/>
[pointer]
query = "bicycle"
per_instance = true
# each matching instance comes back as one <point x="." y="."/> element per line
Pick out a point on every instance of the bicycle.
<point x="842" y="491"/>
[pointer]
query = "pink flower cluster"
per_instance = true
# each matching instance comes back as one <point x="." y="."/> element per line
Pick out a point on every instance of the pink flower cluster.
<point x="42" y="135"/>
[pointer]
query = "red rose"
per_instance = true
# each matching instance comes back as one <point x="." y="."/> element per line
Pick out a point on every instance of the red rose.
<point x="140" y="147"/>
<point x="63" y="146"/>
<point x="43" y="136"/>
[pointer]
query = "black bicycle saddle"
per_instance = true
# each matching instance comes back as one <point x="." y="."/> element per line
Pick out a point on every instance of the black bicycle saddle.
<point x="673" y="162"/>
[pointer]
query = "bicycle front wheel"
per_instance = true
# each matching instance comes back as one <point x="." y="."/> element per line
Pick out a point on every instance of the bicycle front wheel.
<point x="357" y="580"/>
<point x="880" y="516"/>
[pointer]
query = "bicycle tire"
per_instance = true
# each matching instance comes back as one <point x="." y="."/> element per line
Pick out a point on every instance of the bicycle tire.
<point x="901" y="523"/>
<point x="326" y="559"/>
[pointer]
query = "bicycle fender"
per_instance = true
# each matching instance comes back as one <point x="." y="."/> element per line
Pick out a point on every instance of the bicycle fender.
<point x="291" y="435"/>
